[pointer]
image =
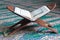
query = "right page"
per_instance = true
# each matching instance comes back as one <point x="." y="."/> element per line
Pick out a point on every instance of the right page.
<point x="39" y="12"/>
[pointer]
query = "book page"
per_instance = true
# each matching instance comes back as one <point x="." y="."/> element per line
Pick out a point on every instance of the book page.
<point x="23" y="13"/>
<point x="40" y="12"/>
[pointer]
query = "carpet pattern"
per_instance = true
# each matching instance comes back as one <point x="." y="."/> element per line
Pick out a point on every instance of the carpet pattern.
<point x="7" y="19"/>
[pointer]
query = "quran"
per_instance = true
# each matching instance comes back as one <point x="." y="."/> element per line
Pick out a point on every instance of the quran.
<point x="34" y="14"/>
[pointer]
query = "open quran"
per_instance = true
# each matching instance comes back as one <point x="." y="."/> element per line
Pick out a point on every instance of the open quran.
<point x="34" y="14"/>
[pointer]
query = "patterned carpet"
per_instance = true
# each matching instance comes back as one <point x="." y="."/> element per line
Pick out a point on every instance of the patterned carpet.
<point x="8" y="19"/>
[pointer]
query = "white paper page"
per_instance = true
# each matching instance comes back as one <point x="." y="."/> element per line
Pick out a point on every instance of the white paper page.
<point x="23" y="13"/>
<point x="39" y="12"/>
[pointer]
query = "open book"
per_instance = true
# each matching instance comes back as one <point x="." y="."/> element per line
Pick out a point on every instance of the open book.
<point x="34" y="14"/>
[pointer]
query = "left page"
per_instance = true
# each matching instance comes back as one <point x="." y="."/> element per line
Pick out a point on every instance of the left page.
<point x="23" y="13"/>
